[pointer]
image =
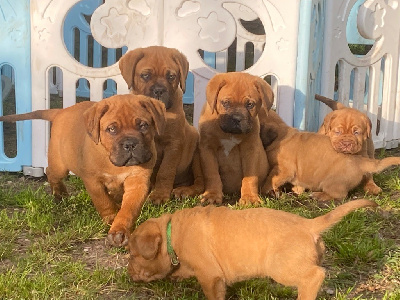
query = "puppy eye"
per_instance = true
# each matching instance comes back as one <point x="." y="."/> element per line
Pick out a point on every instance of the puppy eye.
<point x="143" y="126"/>
<point x="337" y="132"/>
<point x="112" y="129"/>
<point x="225" y="103"/>
<point x="250" y="105"/>
<point x="145" y="76"/>
<point x="356" y="132"/>
<point x="171" y="77"/>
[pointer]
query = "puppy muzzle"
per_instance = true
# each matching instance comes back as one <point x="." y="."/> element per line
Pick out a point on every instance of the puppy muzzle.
<point x="161" y="93"/>
<point x="130" y="151"/>
<point x="235" y="123"/>
<point x="347" y="146"/>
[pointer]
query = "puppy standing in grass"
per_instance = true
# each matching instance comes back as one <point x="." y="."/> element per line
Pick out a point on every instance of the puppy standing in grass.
<point x="265" y="242"/>
<point x="110" y="146"/>
<point x="161" y="72"/>
<point x="350" y="132"/>
<point x="232" y="155"/>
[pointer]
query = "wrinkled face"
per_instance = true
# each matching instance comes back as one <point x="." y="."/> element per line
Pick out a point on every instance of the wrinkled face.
<point x="237" y="106"/>
<point x="127" y="135"/>
<point x="147" y="260"/>
<point x="157" y="77"/>
<point x="348" y="129"/>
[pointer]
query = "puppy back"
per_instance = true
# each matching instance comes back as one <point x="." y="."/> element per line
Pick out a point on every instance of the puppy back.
<point x="323" y="223"/>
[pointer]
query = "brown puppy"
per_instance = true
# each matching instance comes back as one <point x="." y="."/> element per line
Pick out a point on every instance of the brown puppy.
<point x="307" y="159"/>
<point x="265" y="242"/>
<point x="161" y="72"/>
<point x="350" y="132"/>
<point x="232" y="156"/>
<point x="110" y="145"/>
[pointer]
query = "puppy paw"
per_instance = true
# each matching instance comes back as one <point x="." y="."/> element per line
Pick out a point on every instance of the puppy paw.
<point x="186" y="191"/>
<point x="321" y="196"/>
<point x="109" y="219"/>
<point x="250" y="200"/>
<point x="159" y="197"/>
<point x="372" y="188"/>
<point x="118" y="238"/>
<point x="209" y="197"/>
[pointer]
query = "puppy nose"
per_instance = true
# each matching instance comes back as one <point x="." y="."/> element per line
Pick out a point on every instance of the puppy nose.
<point x="158" y="91"/>
<point x="129" y="144"/>
<point x="236" y="119"/>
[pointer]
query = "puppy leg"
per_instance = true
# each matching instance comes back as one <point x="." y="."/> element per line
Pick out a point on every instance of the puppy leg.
<point x="276" y="178"/>
<point x="311" y="283"/>
<point x="198" y="185"/>
<point x="166" y="175"/>
<point x="370" y="186"/>
<point x="213" y="184"/>
<point x="103" y="203"/>
<point x="213" y="287"/>
<point x="55" y="175"/>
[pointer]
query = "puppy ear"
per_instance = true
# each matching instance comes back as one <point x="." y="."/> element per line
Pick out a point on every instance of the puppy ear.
<point x="181" y="60"/>
<point x="266" y="93"/>
<point x="157" y="110"/>
<point x="213" y="87"/>
<point x="368" y="123"/>
<point x="92" y="118"/>
<point x="127" y="65"/>
<point x="147" y="242"/>
<point x="326" y="125"/>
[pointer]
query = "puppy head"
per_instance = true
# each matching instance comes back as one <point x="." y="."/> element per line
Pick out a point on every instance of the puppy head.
<point x="148" y="258"/>
<point x="348" y="129"/>
<point x="237" y="98"/>
<point x="126" y="126"/>
<point x="155" y="72"/>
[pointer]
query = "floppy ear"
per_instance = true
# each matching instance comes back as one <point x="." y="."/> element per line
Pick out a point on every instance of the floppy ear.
<point x="266" y="93"/>
<point x="326" y="125"/>
<point x="213" y="87"/>
<point x="157" y="110"/>
<point x="147" y="242"/>
<point x="92" y="118"/>
<point x="368" y="123"/>
<point x="127" y="65"/>
<point x="181" y="60"/>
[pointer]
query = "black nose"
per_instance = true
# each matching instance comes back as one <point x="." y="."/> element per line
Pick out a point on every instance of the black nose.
<point x="158" y="91"/>
<point x="129" y="144"/>
<point x="236" y="119"/>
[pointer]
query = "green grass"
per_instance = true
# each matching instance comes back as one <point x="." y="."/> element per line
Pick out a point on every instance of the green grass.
<point x="57" y="250"/>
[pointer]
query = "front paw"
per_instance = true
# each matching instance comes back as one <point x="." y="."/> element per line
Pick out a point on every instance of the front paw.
<point x="372" y="188"/>
<point x="186" y="191"/>
<point x="250" y="200"/>
<point x="118" y="238"/>
<point x="211" y="197"/>
<point x="159" y="196"/>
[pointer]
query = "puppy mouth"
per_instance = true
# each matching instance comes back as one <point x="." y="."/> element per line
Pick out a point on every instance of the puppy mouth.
<point x="130" y="152"/>
<point x="161" y="93"/>
<point x="235" y="124"/>
<point x="346" y="146"/>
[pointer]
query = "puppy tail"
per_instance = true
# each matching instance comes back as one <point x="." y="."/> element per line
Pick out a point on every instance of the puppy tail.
<point x="323" y="223"/>
<point x="334" y="105"/>
<point x="46" y="114"/>
<point x="378" y="165"/>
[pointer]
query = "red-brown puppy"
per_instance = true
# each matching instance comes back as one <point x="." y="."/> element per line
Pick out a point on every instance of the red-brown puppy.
<point x="161" y="72"/>
<point x="110" y="145"/>
<point x="232" y="155"/>
<point x="307" y="160"/>
<point x="265" y="242"/>
<point x="350" y="132"/>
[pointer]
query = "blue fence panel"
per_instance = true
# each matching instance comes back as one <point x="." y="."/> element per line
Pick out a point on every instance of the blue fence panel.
<point x="15" y="52"/>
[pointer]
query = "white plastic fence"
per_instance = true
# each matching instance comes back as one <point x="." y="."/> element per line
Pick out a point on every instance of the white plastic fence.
<point x="303" y="49"/>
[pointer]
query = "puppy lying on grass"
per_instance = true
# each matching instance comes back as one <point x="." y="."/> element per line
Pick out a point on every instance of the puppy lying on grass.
<point x="308" y="160"/>
<point x="199" y="242"/>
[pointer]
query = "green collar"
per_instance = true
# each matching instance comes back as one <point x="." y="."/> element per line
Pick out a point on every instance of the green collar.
<point x="171" y="252"/>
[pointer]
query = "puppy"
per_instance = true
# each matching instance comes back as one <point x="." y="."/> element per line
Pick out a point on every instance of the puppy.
<point x="161" y="72"/>
<point x="232" y="156"/>
<point x="307" y="160"/>
<point x="110" y="145"/>
<point x="350" y="132"/>
<point x="265" y="242"/>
